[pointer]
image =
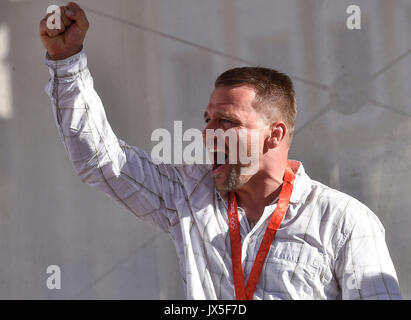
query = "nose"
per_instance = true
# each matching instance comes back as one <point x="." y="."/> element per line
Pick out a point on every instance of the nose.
<point x="211" y="125"/>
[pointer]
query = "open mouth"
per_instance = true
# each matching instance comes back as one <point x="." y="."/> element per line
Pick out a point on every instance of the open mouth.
<point x="219" y="159"/>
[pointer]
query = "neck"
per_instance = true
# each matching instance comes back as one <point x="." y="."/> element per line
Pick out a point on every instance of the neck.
<point x="262" y="188"/>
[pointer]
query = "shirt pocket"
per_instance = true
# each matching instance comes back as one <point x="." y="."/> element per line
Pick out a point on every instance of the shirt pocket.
<point x="294" y="270"/>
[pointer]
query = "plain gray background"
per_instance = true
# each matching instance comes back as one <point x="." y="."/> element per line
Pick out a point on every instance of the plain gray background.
<point x="154" y="62"/>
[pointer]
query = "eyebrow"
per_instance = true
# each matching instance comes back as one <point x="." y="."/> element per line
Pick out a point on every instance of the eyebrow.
<point x="223" y="115"/>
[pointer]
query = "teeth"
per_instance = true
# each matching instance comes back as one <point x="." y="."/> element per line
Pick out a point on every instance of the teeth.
<point x="218" y="157"/>
<point x="215" y="150"/>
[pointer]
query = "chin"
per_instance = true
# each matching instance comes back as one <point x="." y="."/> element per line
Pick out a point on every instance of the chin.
<point x="232" y="181"/>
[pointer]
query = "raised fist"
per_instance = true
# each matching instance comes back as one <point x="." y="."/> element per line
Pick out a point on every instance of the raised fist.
<point x="68" y="39"/>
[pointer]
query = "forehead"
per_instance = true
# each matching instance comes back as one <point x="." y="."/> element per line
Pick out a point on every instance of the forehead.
<point x="238" y="99"/>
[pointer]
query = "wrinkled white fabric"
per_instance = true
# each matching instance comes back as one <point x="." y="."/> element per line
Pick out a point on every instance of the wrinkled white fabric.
<point x="329" y="245"/>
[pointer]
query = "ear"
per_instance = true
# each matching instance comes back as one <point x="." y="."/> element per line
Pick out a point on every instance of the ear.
<point x="278" y="132"/>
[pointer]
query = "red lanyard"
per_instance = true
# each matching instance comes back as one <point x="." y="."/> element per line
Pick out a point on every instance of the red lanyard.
<point x="247" y="293"/>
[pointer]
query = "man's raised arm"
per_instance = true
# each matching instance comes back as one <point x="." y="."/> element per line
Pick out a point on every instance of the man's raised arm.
<point x="101" y="160"/>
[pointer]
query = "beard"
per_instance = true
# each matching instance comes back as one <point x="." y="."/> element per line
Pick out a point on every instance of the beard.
<point x="235" y="175"/>
<point x="233" y="181"/>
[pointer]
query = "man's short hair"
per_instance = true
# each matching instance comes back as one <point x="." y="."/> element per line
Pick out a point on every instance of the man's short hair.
<point x="274" y="92"/>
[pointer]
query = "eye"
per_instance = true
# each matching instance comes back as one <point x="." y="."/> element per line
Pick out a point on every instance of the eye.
<point x="207" y="120"/>
<point x="227" y="123"/>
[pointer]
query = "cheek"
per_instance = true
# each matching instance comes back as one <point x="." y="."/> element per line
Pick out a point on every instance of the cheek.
<point x="257" y="137"/>
<point x="253" y="142"/>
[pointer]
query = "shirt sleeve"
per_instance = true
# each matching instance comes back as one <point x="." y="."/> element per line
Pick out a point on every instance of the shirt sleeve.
<point x="126" y="173"/>
<point x="364" y="267"/>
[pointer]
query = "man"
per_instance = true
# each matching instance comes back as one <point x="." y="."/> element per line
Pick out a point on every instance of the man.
<point x="272" y="234"/>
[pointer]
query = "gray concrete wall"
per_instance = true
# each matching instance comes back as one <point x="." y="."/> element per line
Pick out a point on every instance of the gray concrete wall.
<point x="154" y="62"/>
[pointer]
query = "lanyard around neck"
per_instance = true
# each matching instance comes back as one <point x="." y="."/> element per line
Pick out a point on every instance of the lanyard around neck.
<point x="247" y="292"/>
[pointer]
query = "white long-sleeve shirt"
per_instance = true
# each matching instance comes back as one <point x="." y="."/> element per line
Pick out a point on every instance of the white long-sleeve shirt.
<point x="329" y="245"/>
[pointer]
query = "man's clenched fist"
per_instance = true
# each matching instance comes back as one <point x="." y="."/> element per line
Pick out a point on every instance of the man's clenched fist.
<point x="68" y="40"/>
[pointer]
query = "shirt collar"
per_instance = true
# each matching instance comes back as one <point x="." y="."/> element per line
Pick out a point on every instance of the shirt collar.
<point x="301" y="183"/>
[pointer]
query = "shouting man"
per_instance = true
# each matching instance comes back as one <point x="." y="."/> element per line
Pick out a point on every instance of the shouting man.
<point x="272" y="233"/>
